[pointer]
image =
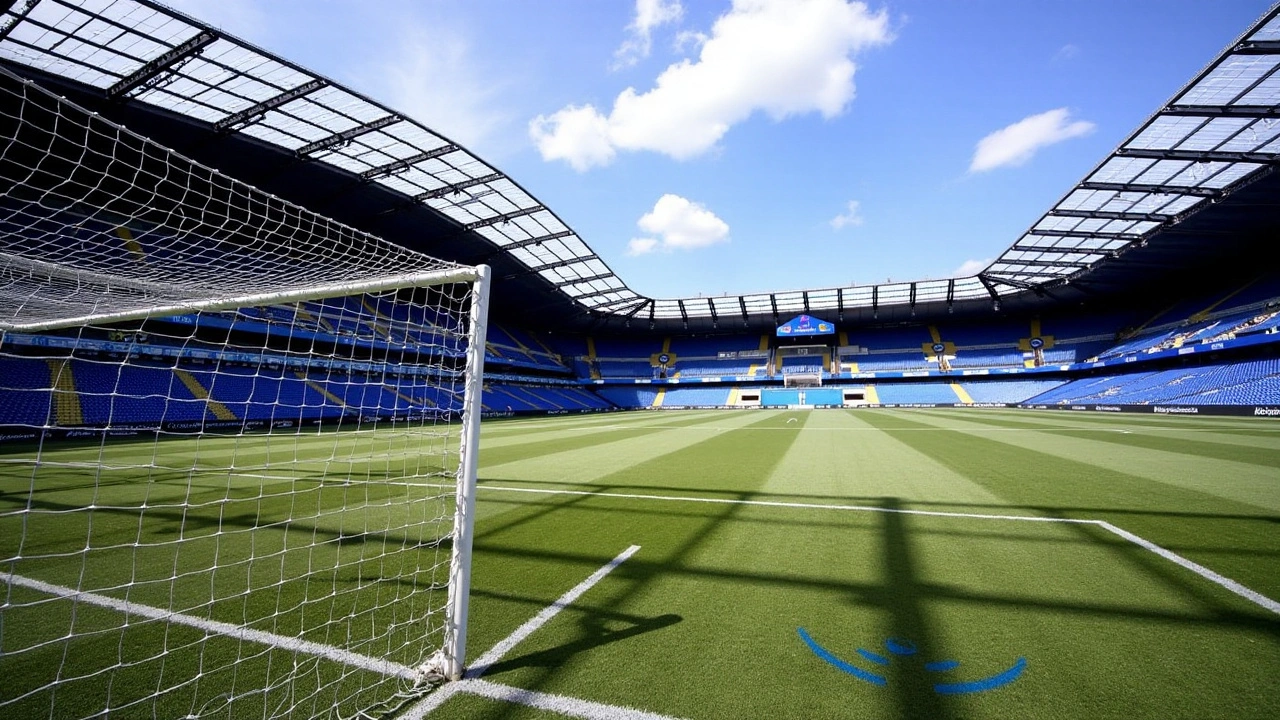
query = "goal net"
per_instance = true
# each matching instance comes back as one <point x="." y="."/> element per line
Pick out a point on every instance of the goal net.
<point x="237" y="440"/>
<point x="802" y="365"/>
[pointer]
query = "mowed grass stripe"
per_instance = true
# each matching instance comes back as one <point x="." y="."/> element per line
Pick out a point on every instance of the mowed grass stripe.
<point x="1202" y="445"/>
<point x="865" y="466"/>
<point x="1229" y="537"/>
<point x="643" y="420"/>
<point x="1263" y="427"/>
<point x="593" y="456"/>
<point x="1246" y="432"/>
<point x="502" y="428"/>
<point x="1253" y="484"/>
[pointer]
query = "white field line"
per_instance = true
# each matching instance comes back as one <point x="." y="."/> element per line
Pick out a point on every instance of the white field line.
<point x="775" y="503"/>
<point x="486" y="661"/>
<point x="284" y="642"/>
<point x="1204" y="572"/>
<point x="572" y="707"/>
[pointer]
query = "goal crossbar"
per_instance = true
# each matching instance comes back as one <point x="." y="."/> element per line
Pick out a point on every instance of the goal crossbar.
<point x="301" y="294"/>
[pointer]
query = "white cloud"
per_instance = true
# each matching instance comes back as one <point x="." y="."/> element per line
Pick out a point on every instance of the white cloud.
<point x="779" y="57"/>
<point x="577" y="135"/>
<point x="852" y="216"/>
<point x="1066" y="52"/>
<point x="686" y="39"/>
<point x="641" y="246"/>
<point x="430" y="73"/>
<point x="649" y="15"/>
<point x="679" y="224"/>
<point x="971" y="267"/>
<point x="1019" y="142"/>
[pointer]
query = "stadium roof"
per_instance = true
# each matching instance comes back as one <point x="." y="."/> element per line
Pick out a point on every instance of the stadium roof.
<point x="1219" y="135"/>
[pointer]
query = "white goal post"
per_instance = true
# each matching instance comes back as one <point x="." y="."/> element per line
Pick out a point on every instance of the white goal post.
<point x="238" y="439"/>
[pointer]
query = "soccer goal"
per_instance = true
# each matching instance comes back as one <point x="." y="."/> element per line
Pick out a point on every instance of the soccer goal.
<point x="238" y="440"/>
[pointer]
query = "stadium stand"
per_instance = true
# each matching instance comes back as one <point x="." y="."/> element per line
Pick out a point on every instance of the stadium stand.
<point x="1012" y="391"/>
<point x="1244" y="383"/>
<point x="709" y="367"/>
<point x="696" y="396"/>
<point x="26" y="396"/>
<point x="895" y="360"/>
<point x="916" y="392"/>
<point x="629" y="397"/>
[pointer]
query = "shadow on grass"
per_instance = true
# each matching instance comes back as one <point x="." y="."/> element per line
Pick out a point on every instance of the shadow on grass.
<point x="594" y="630"/>
<point x="903" y="596"/>
<point x="898" y="561"/>
<point x="1081" y="512"/>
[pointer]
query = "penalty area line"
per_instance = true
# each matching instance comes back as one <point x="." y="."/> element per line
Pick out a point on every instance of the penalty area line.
<point x="495" y="653"/>
<point x="1252" y="596"/>
<point x="1204" y="572"/>
<point x="781" y="504"/>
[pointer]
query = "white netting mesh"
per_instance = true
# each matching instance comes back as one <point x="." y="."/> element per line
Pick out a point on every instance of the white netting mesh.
<point x="98" y="221"/>
<point x="237" y="512"/>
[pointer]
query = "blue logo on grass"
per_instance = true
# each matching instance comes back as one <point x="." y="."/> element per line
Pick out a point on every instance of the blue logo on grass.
<point x="905" y="648"/>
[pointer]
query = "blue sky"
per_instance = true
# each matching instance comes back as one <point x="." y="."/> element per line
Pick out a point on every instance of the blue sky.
<point x="703" y="147"/>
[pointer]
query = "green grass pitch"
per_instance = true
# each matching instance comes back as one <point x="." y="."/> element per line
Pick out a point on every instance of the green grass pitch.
<point x="889" y="536"/>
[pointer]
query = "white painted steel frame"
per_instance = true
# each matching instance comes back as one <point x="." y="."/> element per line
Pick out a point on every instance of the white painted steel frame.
<point x="455" y="633"/>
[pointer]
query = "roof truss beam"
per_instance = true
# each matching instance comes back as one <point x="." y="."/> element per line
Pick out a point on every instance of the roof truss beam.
<point x="1244" y="111"/>
<point x="1257" y="47"/>
<point x="1057" y="250"/>
<point x="250" y="114"/>
<point x="991" y="289"/>
<point x="598" y="293"/>
<point x="503" y="218"/>
<point x="1086" y="235"/>
<point x="457" y="187"/>
<point x="538" y="241"/>
<point x="636" y="308"/>
<point x="1046" y="263"/>
<point x="589" y="278"/>
<point x="348" y="135"/>
<point x="19" y="15"/>
<point x="1023" y="284"/>
<point x="1198" y="155"/>
<point x="1109" y="215"/>
<point x="619" y="304"/>
<point x="1153" y="189"/>
<point x="392" y="168"/>
<point x="151" y="71"/>
<point x="562" y="263"/>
